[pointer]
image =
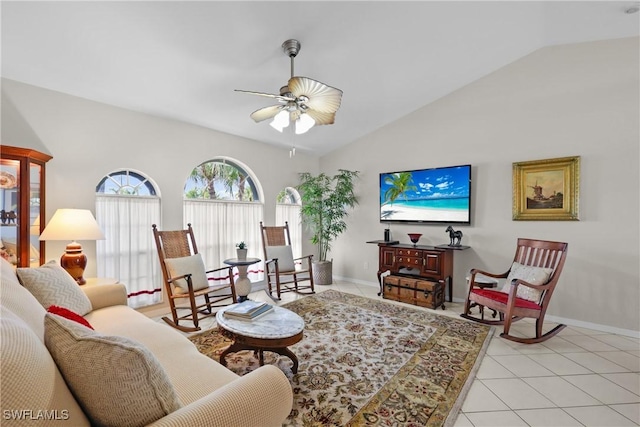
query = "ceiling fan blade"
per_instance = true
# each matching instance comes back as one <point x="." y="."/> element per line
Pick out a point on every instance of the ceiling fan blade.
<point x="321" y="98"/>
<point x="268" y="95"/>
<point x="322" y="118"/>
<point x="266" y="113"/>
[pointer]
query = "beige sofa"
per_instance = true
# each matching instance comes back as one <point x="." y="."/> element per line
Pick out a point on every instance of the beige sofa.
<point x="34" y="391"/>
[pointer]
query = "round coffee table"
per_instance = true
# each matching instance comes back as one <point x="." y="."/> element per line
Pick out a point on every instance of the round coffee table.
<point x="274" y="331"/>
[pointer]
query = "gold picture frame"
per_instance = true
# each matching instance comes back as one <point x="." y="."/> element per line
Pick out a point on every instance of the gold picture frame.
<point x="546" y="189"/>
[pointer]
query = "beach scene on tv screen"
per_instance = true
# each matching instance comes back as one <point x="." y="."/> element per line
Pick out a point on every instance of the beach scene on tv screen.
<point x="439" y="195"/>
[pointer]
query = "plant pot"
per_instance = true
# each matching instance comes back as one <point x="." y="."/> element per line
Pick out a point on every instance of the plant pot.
<point x="241" y="253"/>
<point x="322" y="272"/>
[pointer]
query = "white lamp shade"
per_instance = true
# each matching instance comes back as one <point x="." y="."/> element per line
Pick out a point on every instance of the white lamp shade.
<point x="72" y="224"/>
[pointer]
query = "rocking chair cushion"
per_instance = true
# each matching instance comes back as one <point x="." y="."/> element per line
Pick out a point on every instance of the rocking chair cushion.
<point x="533" y="275"/>
<point x="193" y="265"/>
<point x="503" y="297"/>
<point x="284" y="255"/>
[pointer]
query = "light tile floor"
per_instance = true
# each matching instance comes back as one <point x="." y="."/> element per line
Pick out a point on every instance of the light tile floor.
<point x="580" y="377"/>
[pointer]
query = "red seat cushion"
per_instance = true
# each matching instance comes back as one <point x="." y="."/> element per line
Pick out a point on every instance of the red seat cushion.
<point x="502" y="297"/>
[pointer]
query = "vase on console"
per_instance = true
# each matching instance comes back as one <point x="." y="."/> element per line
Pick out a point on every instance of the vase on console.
<point x="414" y="237"/>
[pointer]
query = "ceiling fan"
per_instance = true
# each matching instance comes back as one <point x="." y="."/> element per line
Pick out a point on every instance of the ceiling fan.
<point x="303" y="101"/>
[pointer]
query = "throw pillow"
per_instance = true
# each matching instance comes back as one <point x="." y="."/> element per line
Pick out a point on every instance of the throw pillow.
<point x="117" y="381"/>
<point x="284" y="255"/>
<point x="533" y="275"/>
<point x="52" y="285"/>
<point x="193" y="265"/>
<point x="68" y="314"/>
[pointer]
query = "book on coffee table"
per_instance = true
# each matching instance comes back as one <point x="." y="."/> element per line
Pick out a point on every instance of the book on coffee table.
<point x="248" y="310"/>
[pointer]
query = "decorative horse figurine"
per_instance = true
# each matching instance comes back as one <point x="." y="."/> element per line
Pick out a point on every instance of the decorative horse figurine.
<point x="454" y="236"/>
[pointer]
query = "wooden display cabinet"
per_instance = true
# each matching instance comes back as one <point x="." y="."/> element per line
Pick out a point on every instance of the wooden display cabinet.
<point x="22" y="206"/>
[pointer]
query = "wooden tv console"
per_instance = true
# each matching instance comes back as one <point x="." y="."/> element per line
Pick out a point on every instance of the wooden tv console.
<point x="433" y="263"/>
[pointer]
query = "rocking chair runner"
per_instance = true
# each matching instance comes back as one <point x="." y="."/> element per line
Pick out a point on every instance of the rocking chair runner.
<point x="280" y="264"/>
<point x="531" y="281"/>
<point x="185" y="278"/>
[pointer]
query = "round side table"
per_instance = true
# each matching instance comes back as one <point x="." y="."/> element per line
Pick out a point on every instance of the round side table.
<point x="243" y="284"/>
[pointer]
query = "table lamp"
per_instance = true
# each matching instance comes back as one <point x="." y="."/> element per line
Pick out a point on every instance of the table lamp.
<point x="73" y="224"/>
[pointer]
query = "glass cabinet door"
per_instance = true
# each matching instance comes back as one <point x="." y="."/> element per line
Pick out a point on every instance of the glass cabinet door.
<point x="22" y="181"/>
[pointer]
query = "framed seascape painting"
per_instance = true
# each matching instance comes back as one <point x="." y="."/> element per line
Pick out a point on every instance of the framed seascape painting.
<point x="546" y="189"/>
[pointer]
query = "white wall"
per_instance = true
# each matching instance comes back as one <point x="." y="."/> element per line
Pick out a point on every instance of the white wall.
<point x="559" y="101"/>
<point x="88" y="140"/>
<point x="572" y="100"/>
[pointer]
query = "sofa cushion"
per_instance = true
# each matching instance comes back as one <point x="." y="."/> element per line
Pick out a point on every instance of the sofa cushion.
<point x="20" y="301"/>
<point x="117" y="381"/>
<point x="29" y="376"/>
<point x="193" y="265"/>
<point x="68" y="314"/>
<point x="284" y="255"/>
<point x="52" y="285"/>
<point x="192" y="374"/>
<point x="533" y="275"/>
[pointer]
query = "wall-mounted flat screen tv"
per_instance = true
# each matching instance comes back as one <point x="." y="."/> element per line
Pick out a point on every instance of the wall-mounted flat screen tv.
<point x="438" y="195"/>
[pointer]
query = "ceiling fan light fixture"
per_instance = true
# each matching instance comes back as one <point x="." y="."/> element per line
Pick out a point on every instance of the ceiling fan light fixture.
<point x="303" y="101"/>
<point x="304" y="123"/>
<point x="280" y="120"/>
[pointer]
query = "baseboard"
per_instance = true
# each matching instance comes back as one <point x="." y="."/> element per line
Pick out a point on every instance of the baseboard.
<point x="594" y="326"/>
<point x="556" y="319"/>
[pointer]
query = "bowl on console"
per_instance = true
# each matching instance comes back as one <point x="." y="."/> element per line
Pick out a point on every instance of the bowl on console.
<point x="414" y="237"/>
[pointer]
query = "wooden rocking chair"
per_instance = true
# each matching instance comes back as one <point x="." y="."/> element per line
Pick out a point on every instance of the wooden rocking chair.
<point x="280" y="264"/>
<point x="185" y="278"/>
<point x="531" y="281"/>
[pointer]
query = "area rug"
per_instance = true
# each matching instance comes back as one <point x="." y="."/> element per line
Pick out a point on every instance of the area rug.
<point x="369" y="362"/>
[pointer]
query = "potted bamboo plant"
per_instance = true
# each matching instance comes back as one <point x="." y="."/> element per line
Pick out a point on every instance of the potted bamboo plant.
<point x="325" y="203"/>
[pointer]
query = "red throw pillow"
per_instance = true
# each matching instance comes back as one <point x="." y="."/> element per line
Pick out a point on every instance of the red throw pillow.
<point x="68" y="314"/>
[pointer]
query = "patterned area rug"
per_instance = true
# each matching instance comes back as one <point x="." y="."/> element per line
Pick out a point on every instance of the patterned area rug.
<point x="369" y="362"/>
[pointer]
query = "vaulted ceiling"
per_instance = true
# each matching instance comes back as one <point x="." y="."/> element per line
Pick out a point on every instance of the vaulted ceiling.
<point x="183" y="60"/>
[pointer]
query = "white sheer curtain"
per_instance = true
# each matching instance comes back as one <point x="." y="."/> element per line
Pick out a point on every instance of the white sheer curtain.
<point x="291" y="213"/>
<point x="128" y="253"/>
<point x="219" y="225"/>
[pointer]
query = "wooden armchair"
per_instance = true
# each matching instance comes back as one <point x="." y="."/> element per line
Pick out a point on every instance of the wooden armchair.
<point x="531" y="281"/>
<point x="280" y="265"/>
<point x="186" y="279"/>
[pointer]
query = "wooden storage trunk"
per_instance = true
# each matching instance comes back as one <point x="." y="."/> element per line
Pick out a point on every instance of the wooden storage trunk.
<point x="414" y="291"/>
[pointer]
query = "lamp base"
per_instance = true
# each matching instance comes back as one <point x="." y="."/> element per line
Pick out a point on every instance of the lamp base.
<point x="74" y="262"/>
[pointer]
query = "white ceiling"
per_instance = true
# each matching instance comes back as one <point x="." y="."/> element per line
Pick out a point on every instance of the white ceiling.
<point x="182" y="60"/>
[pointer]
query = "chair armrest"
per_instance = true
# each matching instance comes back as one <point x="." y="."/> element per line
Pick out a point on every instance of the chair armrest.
<point x="260" y="398"/>
<point x="475" y="271"/>
<point x="187" y="277"/>
<point x="106" y="295"/>
<point x="310" y="257"/>
<point x="229" y="269"/>
<point x="518" y="282"/>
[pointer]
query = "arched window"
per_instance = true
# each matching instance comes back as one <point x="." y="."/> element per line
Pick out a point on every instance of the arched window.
<point x="126" y="183"/>
<point x="127" y="203"/>
<point x="222" y="201"/>
<point x="288" y="206"/>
